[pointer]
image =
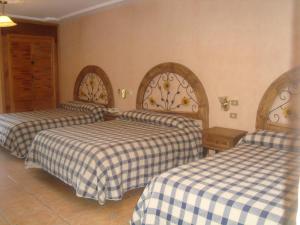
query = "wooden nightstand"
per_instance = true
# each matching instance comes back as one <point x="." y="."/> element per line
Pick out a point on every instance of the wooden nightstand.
<point x="221" y="139"/>
<point x="110" y="116"/>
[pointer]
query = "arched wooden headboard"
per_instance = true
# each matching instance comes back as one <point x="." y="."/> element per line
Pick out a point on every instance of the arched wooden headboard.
<point x="276" y="111"/>
<point x="173" y="88"/>
<point x="93" y="85"/>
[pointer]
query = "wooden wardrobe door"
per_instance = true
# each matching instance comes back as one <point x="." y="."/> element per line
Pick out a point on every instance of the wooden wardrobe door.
<point x="42" y="53"/>
<point x="20" y="78"/>
<point x="31" y="69"/>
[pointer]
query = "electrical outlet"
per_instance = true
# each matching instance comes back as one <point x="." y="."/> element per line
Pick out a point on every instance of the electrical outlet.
<point x="233" y="115"/>
<point x="234" y="102"/>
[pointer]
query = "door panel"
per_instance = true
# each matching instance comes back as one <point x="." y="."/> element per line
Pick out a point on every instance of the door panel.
<point x="20" y="74"/>
<point x="43" y="74"/>
<point x="32" y="79"/>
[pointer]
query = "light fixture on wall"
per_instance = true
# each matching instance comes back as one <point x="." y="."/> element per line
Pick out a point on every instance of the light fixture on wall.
<point x="123" y="93"/>
<point x="225" y="103"/>
<point x="5" y="21"/>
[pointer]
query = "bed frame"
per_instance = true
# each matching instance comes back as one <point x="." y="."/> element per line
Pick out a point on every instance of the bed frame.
<point x="173" y="88"/>
<point x="93" y="85"/>
<point x="278" y="109"/>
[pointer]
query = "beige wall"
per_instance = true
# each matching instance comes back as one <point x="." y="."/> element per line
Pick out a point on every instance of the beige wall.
<point x="297" y="32"/>
<point x="237" y="48"/>
<point x="1" y="77"/>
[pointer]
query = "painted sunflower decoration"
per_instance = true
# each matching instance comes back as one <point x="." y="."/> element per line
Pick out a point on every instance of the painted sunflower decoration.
<point x="102" y="96"/>
<point x="166" y="85"/>
<point x="286" y="111"/>
<point x="185" y="101"/>
<point x="152" y="101"/>
<point x="92" y="81"/>
<point x="82" y="93"/>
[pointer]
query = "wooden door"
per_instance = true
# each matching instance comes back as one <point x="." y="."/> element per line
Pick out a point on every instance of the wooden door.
<point x="20" y="74"/>
<point x="42" y="53"/>
<point x="32" y="78"/>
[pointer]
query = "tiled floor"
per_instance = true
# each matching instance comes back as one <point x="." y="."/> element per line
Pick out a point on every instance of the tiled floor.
<point x="33" y="197"/>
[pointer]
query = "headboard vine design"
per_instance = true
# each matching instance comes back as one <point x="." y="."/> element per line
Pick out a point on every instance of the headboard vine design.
<point x="173" y="88"/>
<point x="277" y="109"/>
<point x="93" y="85"/>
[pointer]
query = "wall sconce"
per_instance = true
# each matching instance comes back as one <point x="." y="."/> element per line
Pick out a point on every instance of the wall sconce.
<point x="123" y="93"/>
<point x="225" y="103"/>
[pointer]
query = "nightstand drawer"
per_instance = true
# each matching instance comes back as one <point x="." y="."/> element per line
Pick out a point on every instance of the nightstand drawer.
<point x="110" y="116"/>
<point x="216" y="142"/>
<point x="220" y="139"/>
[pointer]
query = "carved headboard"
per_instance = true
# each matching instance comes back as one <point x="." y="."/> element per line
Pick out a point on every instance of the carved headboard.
<point x="277" y="109"/>
<point x="93" y="85"/>
<point x="173" y="88"/>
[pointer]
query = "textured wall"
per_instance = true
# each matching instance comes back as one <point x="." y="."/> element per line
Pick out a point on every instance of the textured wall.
<point x="237" y="48"/>
<point x="1" y="78"/>
<point x="296" y="32"/>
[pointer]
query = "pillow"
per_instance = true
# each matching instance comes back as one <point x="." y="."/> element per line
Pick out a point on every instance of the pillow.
<point x="278" y="140"/>
<point x="198" y="123"/>
<point x="96" y="110"/>
<point x="158" y="118"/>
<point x="81" y="106"/>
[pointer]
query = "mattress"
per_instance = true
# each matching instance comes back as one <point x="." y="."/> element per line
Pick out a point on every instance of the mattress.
<point x="17" y="130"/>
<point x="104" y="160"/>
<point x="253" y="183"/>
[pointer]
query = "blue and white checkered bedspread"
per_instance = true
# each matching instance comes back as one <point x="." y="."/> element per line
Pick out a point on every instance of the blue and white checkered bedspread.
<point x="17" y="130"/>
<point x="250" y="184"/>
<point x="104" y="160"/>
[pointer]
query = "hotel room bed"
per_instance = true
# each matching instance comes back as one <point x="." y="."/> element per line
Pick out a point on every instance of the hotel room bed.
<point x="253" y="183"/>
<point x="93" y="96"/>
<point x="104" y="160"/>
<point x="17" y="130"/>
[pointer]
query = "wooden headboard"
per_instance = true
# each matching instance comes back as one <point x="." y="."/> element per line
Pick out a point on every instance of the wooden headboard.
<point x="173" y="88"/>
<point x="93" y="85"/>
<point x="277" y="110"/>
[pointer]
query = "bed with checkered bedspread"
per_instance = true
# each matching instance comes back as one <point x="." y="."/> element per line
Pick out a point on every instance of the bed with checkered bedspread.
<point x="253" y="183"/>
<point x="104" y="160"/>
<point x="17" y="130"/>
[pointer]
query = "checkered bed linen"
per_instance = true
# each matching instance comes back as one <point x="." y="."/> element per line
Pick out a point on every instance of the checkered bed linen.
<point x="271" y="139"/>
<point x="17" y="130"/>
<point x="104" y="160"/>
<point x="249" y="184"/>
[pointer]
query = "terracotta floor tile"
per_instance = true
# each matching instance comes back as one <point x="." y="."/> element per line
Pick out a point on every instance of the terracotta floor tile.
<point x="20" y="206"/>
<point x="60" y="222"/>
<point x="91" y="217"/>
<point x="62" y="200"/>
<point x="39" y="217"/>
<point x="11" y="196"/>
<point x="6" y="183"/>
<point x="3" y="220"/>
<point x="34" y="197"/>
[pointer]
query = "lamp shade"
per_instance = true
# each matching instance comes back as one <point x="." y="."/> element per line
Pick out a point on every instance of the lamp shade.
<point x="5" y="21"/>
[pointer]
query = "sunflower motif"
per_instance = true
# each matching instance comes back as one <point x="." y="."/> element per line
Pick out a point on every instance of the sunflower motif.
<point x="185" y="101"/>
<point x="102" y="96"/>
<point x="166" y="85"/>
<point x="152" y="101"/>
<point x="286" y="111"/>
<point x="92" y="81"/>
<point x="82" y="93"/>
